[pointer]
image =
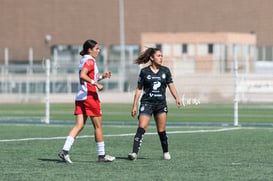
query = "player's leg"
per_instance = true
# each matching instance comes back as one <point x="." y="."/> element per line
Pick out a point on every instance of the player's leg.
<point x="160" y="119"/>
<point x="97" y="124"/>
<point x="80" y="122"/>
<point x="138" y="138"/>
<point x="143" y="124"/>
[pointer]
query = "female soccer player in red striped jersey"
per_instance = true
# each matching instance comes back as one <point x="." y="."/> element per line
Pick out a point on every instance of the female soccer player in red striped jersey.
<point x="87" y="103"/>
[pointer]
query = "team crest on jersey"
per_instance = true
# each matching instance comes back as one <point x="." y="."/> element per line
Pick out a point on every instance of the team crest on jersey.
<point x="163" y="76"/>
<point x="149" y="77"/>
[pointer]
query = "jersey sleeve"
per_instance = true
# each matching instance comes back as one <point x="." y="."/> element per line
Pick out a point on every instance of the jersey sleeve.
<point x="89" y="64"/>
<point x="169" y="78"/>
<point x="140" y="80"/>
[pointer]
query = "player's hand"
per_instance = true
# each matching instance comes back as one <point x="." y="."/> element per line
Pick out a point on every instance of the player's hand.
<point x="178" y="103"/>
<point x="107" y="74"/>
<point x="133" y="112"/>
<point x="99" y="86"/>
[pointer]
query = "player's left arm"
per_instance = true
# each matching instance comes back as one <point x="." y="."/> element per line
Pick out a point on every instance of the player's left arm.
<point x="84" y="76"/>
<point x="171" y="86"/>
<point x="174" y="94"/>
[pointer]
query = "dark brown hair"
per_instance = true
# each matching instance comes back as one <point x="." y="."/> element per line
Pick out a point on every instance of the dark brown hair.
<point x="87" y="44"/>
<point x="145" y="56"/>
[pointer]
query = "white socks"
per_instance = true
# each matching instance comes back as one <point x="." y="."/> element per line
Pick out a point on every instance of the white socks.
<point x="68" y="143"/>
<point x="100" y="148"/>
<point x="70" y="140"/>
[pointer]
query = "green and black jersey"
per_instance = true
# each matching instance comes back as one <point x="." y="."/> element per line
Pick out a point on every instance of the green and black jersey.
<point x="154" y="84"/>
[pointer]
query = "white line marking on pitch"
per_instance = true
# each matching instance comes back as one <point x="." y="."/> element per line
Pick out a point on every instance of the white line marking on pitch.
<point x="122" y="135"/>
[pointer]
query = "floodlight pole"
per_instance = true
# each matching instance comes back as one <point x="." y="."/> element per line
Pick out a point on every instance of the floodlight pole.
<point x="6" y="68"/>
<point x="30" y="59"/>
<point x="122" y="46"/>
<point x="6" y="52"/>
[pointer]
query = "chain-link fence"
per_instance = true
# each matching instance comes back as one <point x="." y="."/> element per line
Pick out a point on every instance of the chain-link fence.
<point x="26" y="83"/>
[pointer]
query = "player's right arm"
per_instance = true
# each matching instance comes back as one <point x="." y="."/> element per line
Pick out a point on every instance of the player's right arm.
<point x="136" y="98"/>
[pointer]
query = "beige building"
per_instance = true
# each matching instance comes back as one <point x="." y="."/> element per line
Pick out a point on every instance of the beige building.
<point x="204" y="52"/>
<point x="25" y="23"/>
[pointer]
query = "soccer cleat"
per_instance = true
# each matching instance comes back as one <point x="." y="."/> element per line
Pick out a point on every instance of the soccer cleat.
<point x="166" y="156"/>
<point x="106" y="158"/>
<point x="132" y="156"/>
<point x="65" y="156"/>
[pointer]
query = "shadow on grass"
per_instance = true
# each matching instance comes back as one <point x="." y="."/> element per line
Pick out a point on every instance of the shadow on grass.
<point x="126" y="158"/>
<point x="51" y="160"/>
<point x="81" y="161"/>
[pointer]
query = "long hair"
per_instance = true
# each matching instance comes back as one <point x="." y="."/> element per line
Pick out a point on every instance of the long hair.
<point x="145" y="56"/>
<point x="87" y="44"/>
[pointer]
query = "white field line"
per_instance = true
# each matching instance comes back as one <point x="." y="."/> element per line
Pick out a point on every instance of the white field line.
<point x="121" y="135"/>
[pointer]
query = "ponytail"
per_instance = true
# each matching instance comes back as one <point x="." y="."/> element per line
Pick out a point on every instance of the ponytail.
<point x="145" y="56"/>
<point x="82" y="53"/>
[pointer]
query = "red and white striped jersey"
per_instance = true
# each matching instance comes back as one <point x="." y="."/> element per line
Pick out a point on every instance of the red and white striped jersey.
<point x="85" y="88"/>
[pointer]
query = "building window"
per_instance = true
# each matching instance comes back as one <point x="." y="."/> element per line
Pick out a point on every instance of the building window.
<point x="184" y="48"/>
<point x="159" y="46"/>
<point x="210" y="48"/>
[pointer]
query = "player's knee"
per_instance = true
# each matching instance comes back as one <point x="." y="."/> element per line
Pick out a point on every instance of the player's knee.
<point x="140" y="130"/>
<point x="79" y="127"/>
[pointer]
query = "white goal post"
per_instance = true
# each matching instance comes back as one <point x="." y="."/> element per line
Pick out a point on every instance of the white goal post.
<point x="47" y="92"/>
<point x="236" y="96"/>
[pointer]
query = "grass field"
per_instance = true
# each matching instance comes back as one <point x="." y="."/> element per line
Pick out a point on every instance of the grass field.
<point x="28" y="152"/>
<point x="198" y="153"/>
<point x="204" y="113"/>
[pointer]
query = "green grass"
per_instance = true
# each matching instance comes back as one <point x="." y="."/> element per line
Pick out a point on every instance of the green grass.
<point x="239" y="154"/>
<point x="208" y="113"/>
<point x="243" y="154"/>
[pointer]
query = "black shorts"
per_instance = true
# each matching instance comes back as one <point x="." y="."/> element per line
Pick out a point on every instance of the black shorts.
<point x="150" y="109"/>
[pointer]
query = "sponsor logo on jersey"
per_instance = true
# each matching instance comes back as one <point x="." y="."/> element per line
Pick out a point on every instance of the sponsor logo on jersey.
<point x="163" y="76"/>
<point x="156" y="85"/>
